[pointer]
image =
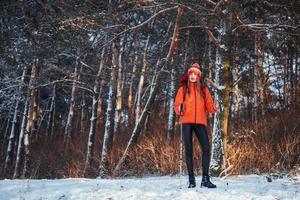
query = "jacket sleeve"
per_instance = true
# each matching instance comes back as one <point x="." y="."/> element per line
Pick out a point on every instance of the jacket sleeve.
<point x="178" y="100"/>
<point x="209" y="102"/>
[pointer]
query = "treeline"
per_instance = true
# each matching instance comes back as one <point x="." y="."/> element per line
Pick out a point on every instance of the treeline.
<point x="87" y="87"/>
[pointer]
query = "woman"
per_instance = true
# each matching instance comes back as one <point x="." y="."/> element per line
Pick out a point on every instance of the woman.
<point x="193" y="100"/>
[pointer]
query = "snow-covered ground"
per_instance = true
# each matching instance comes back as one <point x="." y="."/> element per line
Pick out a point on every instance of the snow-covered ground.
<point x="236" y="187"/>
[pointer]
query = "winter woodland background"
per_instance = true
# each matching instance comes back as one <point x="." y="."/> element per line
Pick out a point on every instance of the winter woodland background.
<point x="87" y="87"/>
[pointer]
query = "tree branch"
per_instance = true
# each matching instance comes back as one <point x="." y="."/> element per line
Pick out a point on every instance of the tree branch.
<point x="140" y="25"/>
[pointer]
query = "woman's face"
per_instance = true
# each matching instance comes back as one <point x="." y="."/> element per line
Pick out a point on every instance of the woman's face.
<point x="193" y="77"/>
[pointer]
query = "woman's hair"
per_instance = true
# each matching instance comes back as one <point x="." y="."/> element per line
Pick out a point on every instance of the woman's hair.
<point x="184" y="82"/>
<point x="201" y="85"/>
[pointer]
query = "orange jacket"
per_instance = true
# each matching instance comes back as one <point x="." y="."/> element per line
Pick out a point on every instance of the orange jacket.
<point x="195" y="106"/>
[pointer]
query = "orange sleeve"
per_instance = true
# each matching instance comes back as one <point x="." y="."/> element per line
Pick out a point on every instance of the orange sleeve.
<point x="178" y="100"/>
<point x="209" y="102"/>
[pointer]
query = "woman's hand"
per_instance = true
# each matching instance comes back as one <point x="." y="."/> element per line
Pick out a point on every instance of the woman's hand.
<point x="180" y="108"/>
<point x="217" y="105"/>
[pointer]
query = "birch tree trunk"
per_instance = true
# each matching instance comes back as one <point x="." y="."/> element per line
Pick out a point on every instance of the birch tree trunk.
<point x="93" y="119"/>
<point x="99" y="107"/>
<point x="51" y="116"/>
<point x="31" y="119"/>
<point x="119" y="102"/>
<point x="21" y="141"/>
<point x="296" y="81"/>
<point x="131" y="93"/>
<point x="141" y="83"/>
<point x="83" y="114"/>
<point x="26" y="126"/>
<point x="68" y="127"/>
<point x="36" y="108"/>
<point x="172" y="85"/>
<point x="217" y="143"/>
<point x="291" y="75"/>
<point x="171" y="116"/>
<point x="258" y="75"/>
<point x="11" y="141"/>
<point x="6" y="130"/>
<point x="236" y="91"/>
<point x="108" y="132"/>
<point x="186" y="47"/>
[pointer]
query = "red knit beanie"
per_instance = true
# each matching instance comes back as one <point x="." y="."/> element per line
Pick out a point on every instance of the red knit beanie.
<point x="195" y="69"/>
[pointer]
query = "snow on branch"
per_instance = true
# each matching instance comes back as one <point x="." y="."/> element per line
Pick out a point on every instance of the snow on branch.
<point x="141" y="24"/>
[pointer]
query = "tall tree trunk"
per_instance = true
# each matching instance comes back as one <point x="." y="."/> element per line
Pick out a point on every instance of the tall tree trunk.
<point x="51" y="116"/>
<point x="95" y="115"/>
<point x="296" y="81"/>
<point x="236" y="92"/>
<point x="186" y="47"/>
<point x="108" y="132"/>
<point x="21" y="140"/>
<point x="118" y="111"/>
<point x="6" y="130"/>
<point x="83" y="114"/>
<point x="11" y="141"/>
<point x="291" y="75"/>
<point x="227" y="63"/>
<point x="258" y="75"/>
<point x="171" y="116"/>
<point x="138" y="127"/>
<point x="31" y="119"/>
<point x="141" y="83"/>
<point x="217" y="143"/>
<point x="251" y="94"/>
<point x="68" y="127"/>
<point x="156" y="82"/>
<point x="100" y="105"/>
<point x="5" y="140"/>
<point x="36" y="111"/>
<point x="130" y="94"/>
<point x="172" y="85"/>
<point x="211" y="64"/>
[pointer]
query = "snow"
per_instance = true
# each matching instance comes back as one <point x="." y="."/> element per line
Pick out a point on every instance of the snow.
<point x="248" y="187"/>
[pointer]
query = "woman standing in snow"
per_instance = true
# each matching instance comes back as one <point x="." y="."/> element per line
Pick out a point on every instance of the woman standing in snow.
<point x="193" y="100"/>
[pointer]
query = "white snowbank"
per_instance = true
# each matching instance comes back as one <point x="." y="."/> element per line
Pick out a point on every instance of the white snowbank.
<point x="237" y="187"/>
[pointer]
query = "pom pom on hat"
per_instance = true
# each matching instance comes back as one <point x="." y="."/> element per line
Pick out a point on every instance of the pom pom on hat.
<point x="196" y="65"/>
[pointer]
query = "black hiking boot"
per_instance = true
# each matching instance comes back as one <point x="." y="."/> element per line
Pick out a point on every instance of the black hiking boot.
<point x="206" y="182"/>
<point x="192" y="184"/>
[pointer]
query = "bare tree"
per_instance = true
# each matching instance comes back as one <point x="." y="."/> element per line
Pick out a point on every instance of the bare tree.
<point x="21" y="141"/>
<point x="171" y="116"/>
<point x="51" y="115"/>
<point x="133" y="75"/>
<point x="32" y="96"/>
<point x="95" y="115"/>
<point x="120" y="83"/>
<point x="68" y="128"/>
<point x="11" y="142"/>
<point x="156" y="83"/>
<point x="217" y="142"/>
<point x="108" y="133"/>
<point x="141" y="82"/>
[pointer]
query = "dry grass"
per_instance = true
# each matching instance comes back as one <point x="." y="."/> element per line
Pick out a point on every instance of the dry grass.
<point x="271" y="145"/>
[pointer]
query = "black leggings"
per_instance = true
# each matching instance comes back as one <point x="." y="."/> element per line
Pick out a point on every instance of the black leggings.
<point x="201" y="133"/>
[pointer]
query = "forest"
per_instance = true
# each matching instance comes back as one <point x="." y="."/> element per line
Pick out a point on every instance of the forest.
<point x="87" y="87"/>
